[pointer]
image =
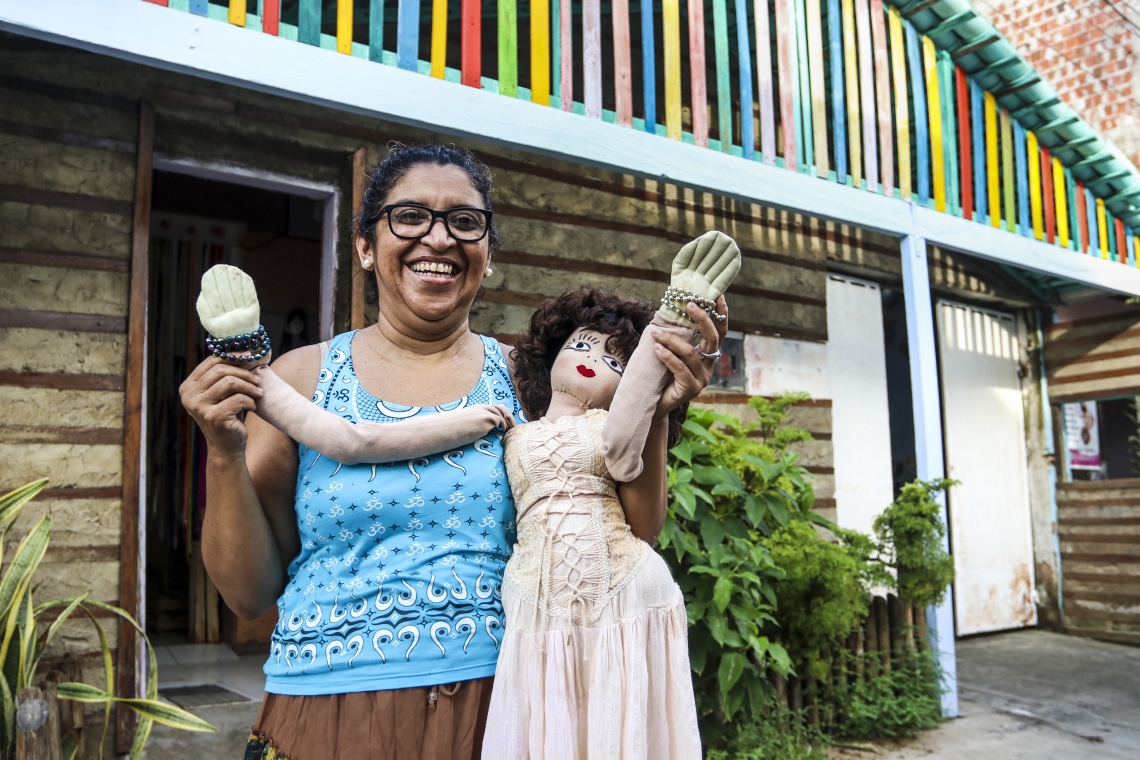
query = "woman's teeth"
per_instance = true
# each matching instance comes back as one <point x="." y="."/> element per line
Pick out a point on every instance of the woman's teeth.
<point x="433" y="267"/>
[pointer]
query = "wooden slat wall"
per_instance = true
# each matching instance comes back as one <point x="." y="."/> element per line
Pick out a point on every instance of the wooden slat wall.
<point x="1099" y="529"/>
<point x="68" y="164"/>
<point x="1093" y="358"/>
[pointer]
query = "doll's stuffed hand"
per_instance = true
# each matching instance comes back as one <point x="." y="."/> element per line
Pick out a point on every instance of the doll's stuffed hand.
<point x="228" y="304"/>
<point x="703" y="269"/>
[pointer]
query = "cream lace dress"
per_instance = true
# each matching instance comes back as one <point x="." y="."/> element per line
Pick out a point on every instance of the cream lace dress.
<point x="594" y="661"/>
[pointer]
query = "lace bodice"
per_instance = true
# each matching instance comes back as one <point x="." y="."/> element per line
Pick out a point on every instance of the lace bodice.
<point x="575" y="550"/>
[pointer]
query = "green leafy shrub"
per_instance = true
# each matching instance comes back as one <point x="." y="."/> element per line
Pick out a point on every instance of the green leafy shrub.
<point x="900" y="703"/>
<point x="822" y="596"/>
<point x="910" y="533"/>
<point x="728" y="491"/>
<point x="781" y="735"/>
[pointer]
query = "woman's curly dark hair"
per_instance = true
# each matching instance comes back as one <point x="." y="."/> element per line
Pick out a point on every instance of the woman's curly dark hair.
<point x="622" y="319"/>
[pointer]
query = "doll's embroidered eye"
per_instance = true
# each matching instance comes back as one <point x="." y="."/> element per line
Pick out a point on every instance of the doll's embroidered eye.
<point x="613" y="364"/>
<point x="579" y="345"/>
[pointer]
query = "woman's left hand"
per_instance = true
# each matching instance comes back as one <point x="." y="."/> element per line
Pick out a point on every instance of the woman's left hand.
<point x="691" y="371"/>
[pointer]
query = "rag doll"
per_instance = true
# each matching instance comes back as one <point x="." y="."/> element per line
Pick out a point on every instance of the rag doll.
<point x="594" y="657"/>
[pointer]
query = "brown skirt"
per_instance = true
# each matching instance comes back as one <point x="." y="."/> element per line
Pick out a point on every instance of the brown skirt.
<point x="424" y="723"/>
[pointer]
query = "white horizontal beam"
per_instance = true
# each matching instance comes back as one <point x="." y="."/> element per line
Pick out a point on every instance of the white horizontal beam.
<point x="195" y="45"/>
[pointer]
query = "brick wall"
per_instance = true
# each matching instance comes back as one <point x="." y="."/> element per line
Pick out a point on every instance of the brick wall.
<point x="1084" y="50"/>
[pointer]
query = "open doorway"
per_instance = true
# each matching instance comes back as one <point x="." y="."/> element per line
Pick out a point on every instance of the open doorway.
<point x="276" y="237"/>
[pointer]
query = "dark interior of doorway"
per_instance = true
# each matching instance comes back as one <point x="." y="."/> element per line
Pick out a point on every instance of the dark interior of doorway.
<point x="275" y="238"/>
<point x="899" y="402"/>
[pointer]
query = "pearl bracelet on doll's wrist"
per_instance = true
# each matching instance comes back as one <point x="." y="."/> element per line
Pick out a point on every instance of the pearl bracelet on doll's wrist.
<point x="676" y="298"/>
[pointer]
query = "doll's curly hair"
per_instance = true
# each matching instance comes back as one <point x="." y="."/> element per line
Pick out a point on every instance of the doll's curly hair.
<point x="622" y="319"/>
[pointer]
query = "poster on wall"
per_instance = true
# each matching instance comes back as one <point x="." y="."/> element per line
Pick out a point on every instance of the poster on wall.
<point x="1082" y="435"/>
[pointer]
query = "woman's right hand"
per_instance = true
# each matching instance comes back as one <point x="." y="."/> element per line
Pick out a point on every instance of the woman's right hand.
<point x="217" y="395"/>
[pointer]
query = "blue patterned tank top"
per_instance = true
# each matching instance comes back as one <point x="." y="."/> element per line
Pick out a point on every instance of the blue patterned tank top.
<point x="397" y="582"/>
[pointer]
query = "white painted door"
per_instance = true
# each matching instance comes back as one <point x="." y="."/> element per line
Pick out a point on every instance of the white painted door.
<point x="860" y="418"/>
<point x="984" y="428"/>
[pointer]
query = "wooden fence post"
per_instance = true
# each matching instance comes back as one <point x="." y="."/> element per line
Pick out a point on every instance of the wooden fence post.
<point x="42" y="742"/>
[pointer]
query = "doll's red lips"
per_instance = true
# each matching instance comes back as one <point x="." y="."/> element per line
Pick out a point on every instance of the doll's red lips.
<point x="585" y="371"/>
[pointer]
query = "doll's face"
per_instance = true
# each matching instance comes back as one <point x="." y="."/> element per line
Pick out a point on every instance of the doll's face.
<point x="583" y="369"/>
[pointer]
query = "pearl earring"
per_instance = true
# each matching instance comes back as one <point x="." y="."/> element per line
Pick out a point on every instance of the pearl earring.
<point x="488" y="272"/>
<point x="368" y="263"/>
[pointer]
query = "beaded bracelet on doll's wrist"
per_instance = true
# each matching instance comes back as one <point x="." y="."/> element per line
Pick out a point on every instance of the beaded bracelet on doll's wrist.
<point x="228" y="348"/>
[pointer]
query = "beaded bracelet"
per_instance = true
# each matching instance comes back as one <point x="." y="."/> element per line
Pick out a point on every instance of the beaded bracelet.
<point x="676" y="298"/>
<point x="256" y="342"/>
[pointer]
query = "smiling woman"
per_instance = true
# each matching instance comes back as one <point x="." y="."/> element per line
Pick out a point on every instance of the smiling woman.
<point x="386" y="577"/>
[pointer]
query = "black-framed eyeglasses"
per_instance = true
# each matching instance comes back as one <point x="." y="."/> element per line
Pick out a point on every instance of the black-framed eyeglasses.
<point x="411" y="221"/>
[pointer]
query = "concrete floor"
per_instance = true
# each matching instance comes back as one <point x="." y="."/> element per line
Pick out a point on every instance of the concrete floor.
<point x="1025" y="695"/>
<point x="1035" y="695"/>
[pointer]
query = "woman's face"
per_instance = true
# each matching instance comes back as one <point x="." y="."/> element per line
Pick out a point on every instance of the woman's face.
<point x="428" y="284"/>
<point x="585" y="370"/>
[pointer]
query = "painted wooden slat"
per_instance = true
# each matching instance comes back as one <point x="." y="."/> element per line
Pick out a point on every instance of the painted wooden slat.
<point x="470" y="42"/>
<point x="723" y="81"/>
<point x="1110" y="234"/>
<point x="964" y="143"/>
<point x="1007" y="181"/>
<point x="1131" y="248"/>
<point x="1102" y="228"/>
<point x="540" y="49"/>
<point x="802" y="94"/>
<point x="1121" y="245"/>
<point x="949" y="132"/>
<point x="566" y="54"/>
<point x="309" y="21"/>
<point x="698" y="74"/>
<point x="508" y="47"/>
<point x="1035" y="208"/>
<point x="344" y="25"/>
<point x="671" y="24"/>
<point x="1021" y="149"/>
<point x="921" y="130"/>
<point x="1083" y="219"/>
<point x="1094" y="227"/>
<point x="978" y="130"/>
<point x="1047" y="194"/>
<point x="270" y="16"/>
<point x="376" y="31"/>
<point x="993" y="186"/>
<point x="649" y="67"/>
<point x="902" y="112"/>
<point x="851" y="75"/>
<point x="744" y="63"/>
<point x="763" y="82"/>
<point x="408" y="34"/>
<point x="555" y="48"/>
<point x="818" y="95"/>
<point x="438" y="35"/>
<point x="883" y="98"/>
<point x="838" y="107"/>
<point x="1074" y="217"/>
<point x="623" y="63"/>
<point x="866" y="49"/>
<point x="163" y="3"/>
<point x="236" y="14"/>
<point x="199" y="7"/>
<point x="934" y="109"/>
<point x="787" y="68"/>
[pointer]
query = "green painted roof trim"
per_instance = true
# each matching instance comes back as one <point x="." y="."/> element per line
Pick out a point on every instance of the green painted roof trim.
<point x="987" y="56"/>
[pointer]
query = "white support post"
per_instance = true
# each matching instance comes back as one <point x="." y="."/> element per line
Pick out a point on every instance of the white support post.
<point x="927" y="405"/>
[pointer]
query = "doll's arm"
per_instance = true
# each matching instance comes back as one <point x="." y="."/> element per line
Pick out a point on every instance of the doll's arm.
<point x="342" y="441"/>
<point x="230" y="312"/>
<point x="702" y="271"/>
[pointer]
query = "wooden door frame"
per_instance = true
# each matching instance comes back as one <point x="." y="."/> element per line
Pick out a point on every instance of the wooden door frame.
<point x="132" y="666"/>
